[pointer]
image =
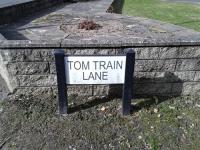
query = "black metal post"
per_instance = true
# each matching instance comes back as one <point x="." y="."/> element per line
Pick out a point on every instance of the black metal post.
<point x="128" y="83"/>
<point x="61" y="80"/>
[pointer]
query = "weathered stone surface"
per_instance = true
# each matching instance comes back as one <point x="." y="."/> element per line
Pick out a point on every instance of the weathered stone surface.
<point x="43" y="91"/>
<point x="19" y="43"/>
<point x="192" y="64"/>
<point x="168" y="52"/>
<point x="101" y="90"/>
<point x="187" y="88"/>
<point x="155" y="65"/>
<point x="149" y="77"/>
<point x="166" y="77"/>
<point x="3" y="89"/>
<point x="37" y="80"/>
<point x="20" y="55"/>
<point x="28" y="68"/>
<point x="188" y="52"/>
<point x="52" y="66"/>
<point x="28" y="55"/>
<point x="18" y="9"/>
<point x="47" y="55"/>
<point x="197" y="76"/>
<point x="185" y="76"/>
<point x="9" y="79"/>
<point x="153" y="89"/>
<point x="83" y="90"/>
<point x="143" y="53"/>
<point x="80" y="90"/>
<point x="87" y="90"/>
<point x="177" y="89"/>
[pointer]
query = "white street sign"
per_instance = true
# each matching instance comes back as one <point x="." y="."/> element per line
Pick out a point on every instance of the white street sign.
<point x="95" y="69"/>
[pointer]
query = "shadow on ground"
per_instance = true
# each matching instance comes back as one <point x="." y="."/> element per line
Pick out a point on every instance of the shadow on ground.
<point x="152" y="90"/>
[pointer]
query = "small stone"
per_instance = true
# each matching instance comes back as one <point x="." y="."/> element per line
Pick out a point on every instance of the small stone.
<point x="131" y="26"/>
<point x="179" y="117"/>
<point x="155" y="110"/>
<point x="103" y="108"/>
<point x="109" y="115"/>
<point x="171" y="107"/>
<point x="158" y="115"/>
<point x="197" y="105"/>
<point x="192" y="125"/>
<point x="90" y="98"/>
<point x="140" y="137"/>
<point x="136" y="114"/>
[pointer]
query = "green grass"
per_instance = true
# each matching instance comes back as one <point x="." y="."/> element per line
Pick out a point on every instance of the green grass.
<point x="182" y="14"/>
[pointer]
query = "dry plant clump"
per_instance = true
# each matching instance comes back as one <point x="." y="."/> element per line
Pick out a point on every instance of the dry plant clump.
<point x="88" y="25"/>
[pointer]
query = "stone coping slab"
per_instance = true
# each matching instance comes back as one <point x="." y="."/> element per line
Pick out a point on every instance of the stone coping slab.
<point x="81" y="44"/>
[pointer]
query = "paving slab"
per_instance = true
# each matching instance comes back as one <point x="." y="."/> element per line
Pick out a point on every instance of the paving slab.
<point x="6" y="3"/>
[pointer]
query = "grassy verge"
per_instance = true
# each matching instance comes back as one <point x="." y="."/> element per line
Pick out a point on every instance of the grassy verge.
<point x="183" y="14"/>
<point x="28" y="122"/>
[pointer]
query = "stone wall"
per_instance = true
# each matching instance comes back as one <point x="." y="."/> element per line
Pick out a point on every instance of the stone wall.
<point x="158" y="71"/>
<point x="13" y="13"/>
<point x="167" y="62"/>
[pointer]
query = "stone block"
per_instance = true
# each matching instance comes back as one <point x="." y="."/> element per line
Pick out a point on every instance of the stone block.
<point x="43" y="92"/>
<point x="37" y="80"/>
<point x="47" y="55"/>
<point x="188" y="64"/>
<point x="187" y="88"/>
<point x="28" y="68"/>
<point x="185" y="76"/>
<point x="52" y="66"/>
<point x="188" y="52"/>
<point x="152" y="89"/>
<point x="3" y="89"/>
<point x="167" y="52"/>
<point x="156" y="52"/>
<point x="26" y="55"/>
<point x="197" y="76"/>
<point x="81" y="90"/>
<point x="153" y="77"/>
<point x="20" y="55"/>
<point x="100" y="90"/>
<point x="177" y="89"/>
<point x="155" y="65"/>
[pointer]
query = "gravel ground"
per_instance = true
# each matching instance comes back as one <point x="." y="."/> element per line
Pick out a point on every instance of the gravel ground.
<point x="32" y="122"/>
